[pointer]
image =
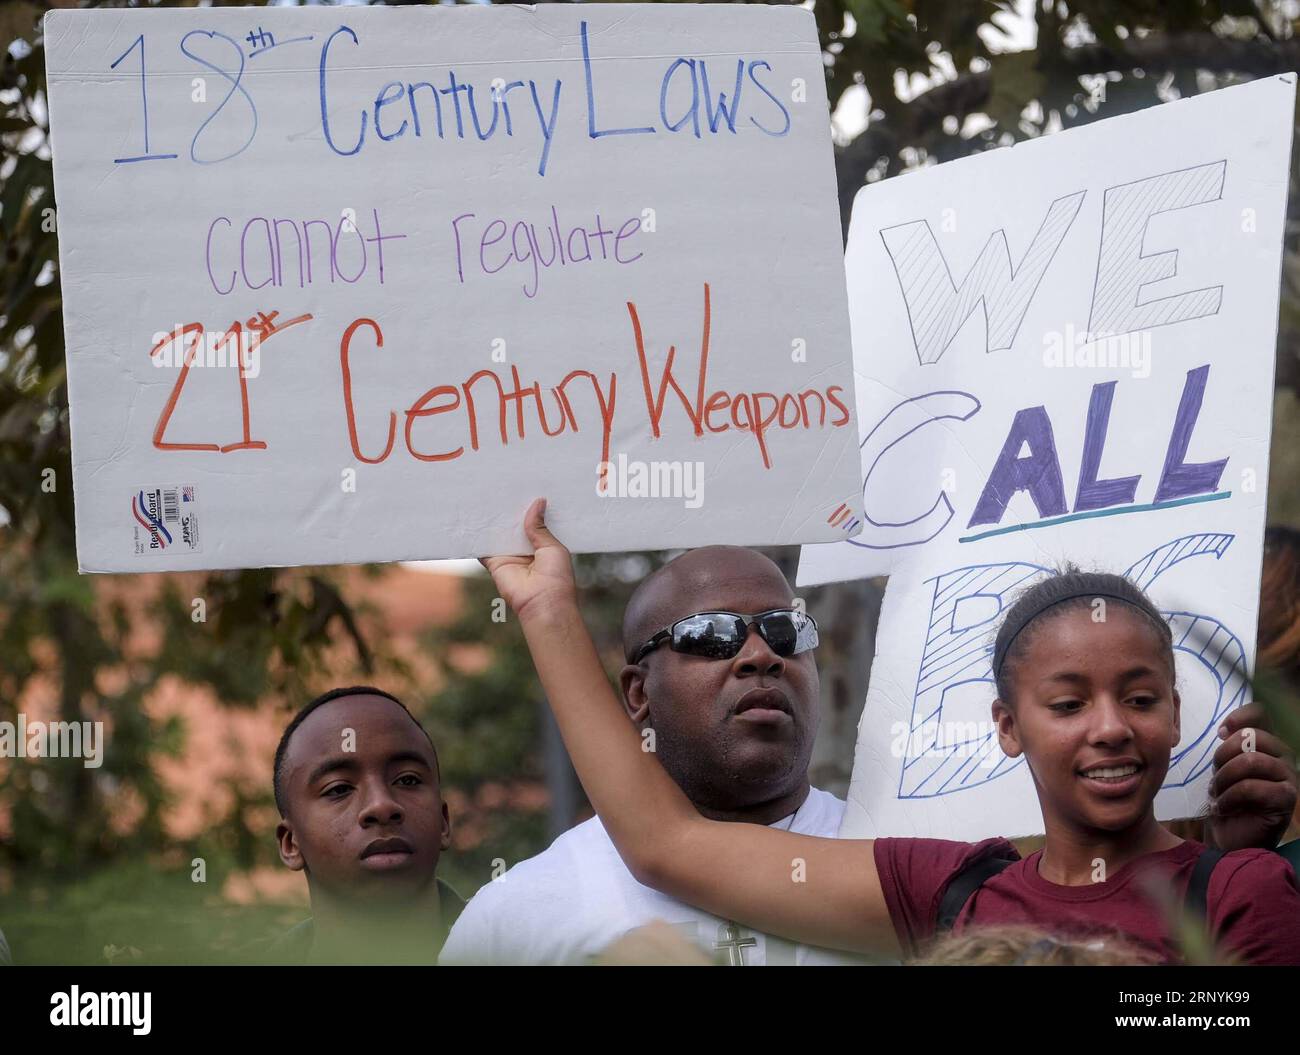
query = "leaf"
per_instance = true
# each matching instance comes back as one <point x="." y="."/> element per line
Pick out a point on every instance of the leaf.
<point x="1016" y="82"/>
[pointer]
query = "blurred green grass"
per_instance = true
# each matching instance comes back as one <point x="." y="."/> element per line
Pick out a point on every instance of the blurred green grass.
<point x="146" y="909"/>
<point x="136" y="911"/>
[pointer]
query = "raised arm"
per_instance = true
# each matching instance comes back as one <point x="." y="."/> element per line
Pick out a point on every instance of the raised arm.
<point x="815" y="891"/>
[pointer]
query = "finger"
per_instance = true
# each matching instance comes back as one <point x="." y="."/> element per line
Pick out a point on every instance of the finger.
<point x="1252" y="715"/>
<point x="1235" y="745"/>
<point x="1254" y="765"/>
<point x="1262" y="797"/>
<point x="539" y="535"/>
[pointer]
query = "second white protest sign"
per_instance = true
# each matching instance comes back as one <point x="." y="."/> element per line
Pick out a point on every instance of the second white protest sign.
<point x="1065" y="354"/>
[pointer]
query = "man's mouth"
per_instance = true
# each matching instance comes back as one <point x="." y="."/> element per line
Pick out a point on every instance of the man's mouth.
<point x="763" y="707"/>
<point x="387" y="853"/>
<point x="1113" y="777"/>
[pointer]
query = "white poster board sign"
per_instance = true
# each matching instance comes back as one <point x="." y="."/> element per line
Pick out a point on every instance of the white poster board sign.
<point x="1065" y="352"/>
<point x="357" y="284"/>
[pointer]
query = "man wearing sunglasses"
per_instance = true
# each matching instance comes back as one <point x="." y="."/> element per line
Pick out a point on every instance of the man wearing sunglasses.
<point x="721" y="679"/>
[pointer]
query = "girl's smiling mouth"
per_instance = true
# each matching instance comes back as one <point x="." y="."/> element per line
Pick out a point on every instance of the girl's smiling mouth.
<point x="1114" y="777"/>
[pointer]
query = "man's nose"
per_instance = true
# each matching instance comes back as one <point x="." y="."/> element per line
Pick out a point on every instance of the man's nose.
<point x="379" y="806"/>
<point x="756" y="658"/>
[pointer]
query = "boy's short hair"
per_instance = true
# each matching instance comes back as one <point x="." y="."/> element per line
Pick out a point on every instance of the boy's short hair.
<point x="277" y="778"/>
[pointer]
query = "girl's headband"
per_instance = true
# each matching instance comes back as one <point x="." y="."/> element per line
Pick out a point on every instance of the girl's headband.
<point x="1031" y="614"/>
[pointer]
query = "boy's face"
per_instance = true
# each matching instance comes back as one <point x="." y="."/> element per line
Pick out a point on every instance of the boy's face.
<point x="363" y="808"/>
<point x="1096" y="715"/>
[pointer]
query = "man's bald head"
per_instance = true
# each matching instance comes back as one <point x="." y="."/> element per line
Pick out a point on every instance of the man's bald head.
<point x="697" y="581"/>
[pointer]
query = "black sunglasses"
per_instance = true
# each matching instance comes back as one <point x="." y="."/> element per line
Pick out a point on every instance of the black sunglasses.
<point x="721" y="635"/>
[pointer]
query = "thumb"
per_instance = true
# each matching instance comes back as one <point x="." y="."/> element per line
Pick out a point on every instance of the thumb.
<point x="539" y="535"/>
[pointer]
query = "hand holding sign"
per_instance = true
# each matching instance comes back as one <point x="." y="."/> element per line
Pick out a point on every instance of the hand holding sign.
<point x="1253" y="790"/>
<point x="533" y="584"/>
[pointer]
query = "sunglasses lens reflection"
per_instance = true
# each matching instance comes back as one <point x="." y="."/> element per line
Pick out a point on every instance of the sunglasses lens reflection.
<point x="713" y="635"/>
<point x="780" y="634"/>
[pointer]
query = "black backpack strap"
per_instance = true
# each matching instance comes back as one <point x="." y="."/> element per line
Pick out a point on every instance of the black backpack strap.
<point x="1198" y="887"/>
<point x="962" y="887"/>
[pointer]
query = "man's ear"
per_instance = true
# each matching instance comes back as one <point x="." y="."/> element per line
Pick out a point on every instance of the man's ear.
<point x="1008" y="735"/>
<point x="287" y="844"/>
<point x="631" y="679"/>
<point x="446" y="826"/>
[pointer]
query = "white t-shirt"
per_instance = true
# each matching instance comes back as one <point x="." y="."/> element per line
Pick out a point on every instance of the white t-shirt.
<point x="577" y="898"/>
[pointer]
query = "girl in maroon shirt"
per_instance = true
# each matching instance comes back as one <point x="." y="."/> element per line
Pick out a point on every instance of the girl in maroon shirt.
<point x="1085" y="677"/>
